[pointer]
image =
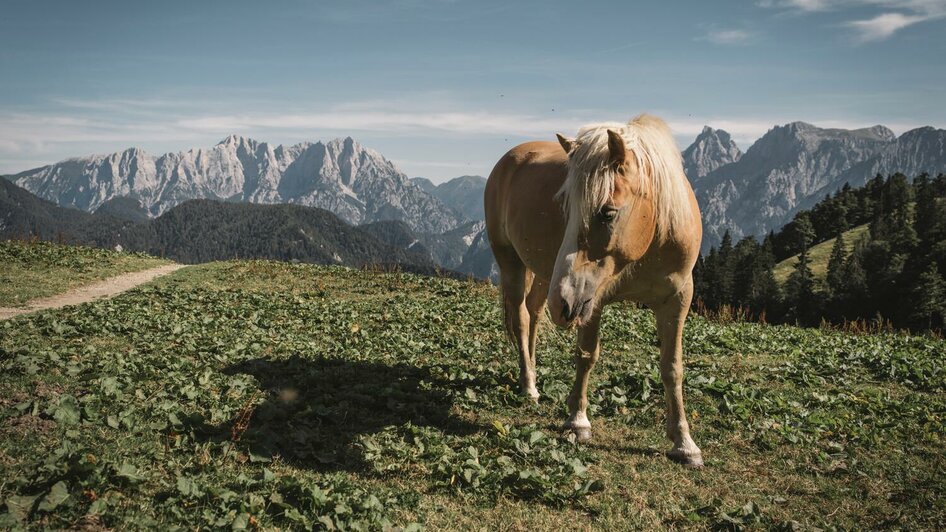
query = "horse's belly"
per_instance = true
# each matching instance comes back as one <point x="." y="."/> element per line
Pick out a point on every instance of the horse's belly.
<point x="536" y="234"/>
<point x="521" y="208"/>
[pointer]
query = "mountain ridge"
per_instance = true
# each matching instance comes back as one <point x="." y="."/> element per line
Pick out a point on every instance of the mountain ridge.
<point x="786" y="170"/>
<point x="355" y="182"/>
<point x="793" y="166"/>
<point x="464" y="194"/>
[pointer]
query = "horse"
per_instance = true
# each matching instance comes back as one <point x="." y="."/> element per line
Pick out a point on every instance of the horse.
<point x="602" y="217"/>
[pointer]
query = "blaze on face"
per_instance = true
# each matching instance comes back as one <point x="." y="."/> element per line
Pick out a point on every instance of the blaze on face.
<point x="595" y="252"/>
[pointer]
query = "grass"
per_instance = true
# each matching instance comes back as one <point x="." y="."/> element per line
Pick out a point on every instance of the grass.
<point x="272" y="395"/>
<point x="32" y="269"/>
<point x="819" y="255"/>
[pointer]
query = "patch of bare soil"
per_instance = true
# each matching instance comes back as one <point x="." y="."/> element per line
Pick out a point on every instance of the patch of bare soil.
<point x="101" y="289"/>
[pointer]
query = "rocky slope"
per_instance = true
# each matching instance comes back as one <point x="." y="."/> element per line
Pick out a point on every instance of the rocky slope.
<point x="711" y="149"/>
<point x="464" y="194"/>
<point x="354" y="182"/>
<point x="793" y="166"/>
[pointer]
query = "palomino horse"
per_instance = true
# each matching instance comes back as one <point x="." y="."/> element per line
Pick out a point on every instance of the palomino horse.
<point x="606" y="216"/>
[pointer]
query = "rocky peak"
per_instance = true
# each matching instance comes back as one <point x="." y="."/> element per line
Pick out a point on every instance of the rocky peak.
<point x="920" y="133"/>
<point x="794" y="165"/>
<point x="712" y="149"/>
<point x="236" y="140"/>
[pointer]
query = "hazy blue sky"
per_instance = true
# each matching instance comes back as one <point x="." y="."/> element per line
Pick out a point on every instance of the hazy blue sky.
<point x="442" y="87"/>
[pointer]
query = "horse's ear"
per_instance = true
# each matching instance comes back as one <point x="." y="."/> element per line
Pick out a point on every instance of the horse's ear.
<point x="567" y="144"/>
<point x="616" y="147"/>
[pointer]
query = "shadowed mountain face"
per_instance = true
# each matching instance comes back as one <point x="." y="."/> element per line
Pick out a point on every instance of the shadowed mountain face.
<point x="793" y="166"/>
<point x="356" y="183"/>
<point x="124" y="208"/>
<point x="23" y="215"/>
<point x="463" y="194"/>
<point x="446" y="249"/>
<point x="204" y="230"/>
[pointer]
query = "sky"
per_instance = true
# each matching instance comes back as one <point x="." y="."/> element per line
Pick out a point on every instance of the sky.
<point x="444" y="87"/>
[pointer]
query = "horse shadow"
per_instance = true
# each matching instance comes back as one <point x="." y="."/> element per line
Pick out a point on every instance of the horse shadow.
<point x="316" y="409"/>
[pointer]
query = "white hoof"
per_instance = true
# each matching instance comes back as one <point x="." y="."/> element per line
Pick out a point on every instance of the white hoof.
<point x="531" y="394"/>
<point x="582" y="432"/>
<point x="686" y="457"/>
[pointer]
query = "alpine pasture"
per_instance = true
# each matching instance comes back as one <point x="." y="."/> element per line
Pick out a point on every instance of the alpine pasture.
<point x="267" y="395"/>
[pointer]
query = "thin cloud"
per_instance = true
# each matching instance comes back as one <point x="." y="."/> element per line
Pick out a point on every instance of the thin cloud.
<point x="894" y="15"/>
<point x="796" y="5"/>
<point x="29" y="137"/>
<point x="478" y="123"/>
<point x="728" y="37"/>
<point x="56" y="135"/>
<point x="883" y="26"/>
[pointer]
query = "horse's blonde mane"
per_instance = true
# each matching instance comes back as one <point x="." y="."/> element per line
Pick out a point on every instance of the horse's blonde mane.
<point x="590" y="180"/>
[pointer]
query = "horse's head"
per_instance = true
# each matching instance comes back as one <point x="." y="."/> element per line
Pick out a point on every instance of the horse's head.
<point x="610" y="208"/>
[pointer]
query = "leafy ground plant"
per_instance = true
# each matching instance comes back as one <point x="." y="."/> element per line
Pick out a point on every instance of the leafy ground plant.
<point x="271" y="395"/>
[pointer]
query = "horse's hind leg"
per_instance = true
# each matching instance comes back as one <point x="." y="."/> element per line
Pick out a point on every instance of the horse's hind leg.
<point x="535" y="303"/>
<point x="514" y="281"/>
<point x="671" y="315"/>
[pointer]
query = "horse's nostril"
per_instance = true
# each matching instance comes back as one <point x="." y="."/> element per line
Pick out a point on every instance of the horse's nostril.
<point x="581" y="308"/>
<point x="570" y="312"/>
<point x="565" y="310"/>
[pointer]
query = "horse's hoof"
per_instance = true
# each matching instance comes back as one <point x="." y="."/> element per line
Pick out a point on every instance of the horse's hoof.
<point x="532" y="395"/>
<point x="688" y="459"/>
<point x="582" y="434"/>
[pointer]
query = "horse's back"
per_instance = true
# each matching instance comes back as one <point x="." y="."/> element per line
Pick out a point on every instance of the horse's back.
<point x="522" y="215"/>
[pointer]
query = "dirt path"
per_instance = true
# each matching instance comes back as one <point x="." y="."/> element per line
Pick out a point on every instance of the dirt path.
<point x="97" y="290"/>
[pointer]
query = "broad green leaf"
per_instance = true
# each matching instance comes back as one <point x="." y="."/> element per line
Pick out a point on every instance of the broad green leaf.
<point x="56" y="496"/>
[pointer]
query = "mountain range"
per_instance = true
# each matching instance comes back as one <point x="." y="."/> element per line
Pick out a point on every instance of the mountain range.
<point x="205" y="230"/>
<point x="356" y="183"/>
<point x="792" y="167"/>
<point x="788" y="169"/>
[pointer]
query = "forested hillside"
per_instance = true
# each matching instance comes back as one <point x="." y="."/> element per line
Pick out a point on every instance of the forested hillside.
<point x="893" y="272"/>
<point x="205" y="230"/>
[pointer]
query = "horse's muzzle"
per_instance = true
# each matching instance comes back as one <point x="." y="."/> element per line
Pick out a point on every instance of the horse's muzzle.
<point x="572" y="300"/>
<point x="572" y="312"/>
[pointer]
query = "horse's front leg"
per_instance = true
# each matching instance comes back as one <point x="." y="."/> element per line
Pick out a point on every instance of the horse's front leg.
<point x="671" y="315"/>
<point x="586" y="354"/>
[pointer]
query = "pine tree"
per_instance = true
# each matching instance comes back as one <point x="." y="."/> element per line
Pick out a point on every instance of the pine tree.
<point x="854" y="275"/>
<point x="847" y="197"/>
<point x="930" y="218"/>
<point x="800" y="291"/>
<point x="804" y="231"/>
<point x="895" y="223"/>
<point x="725" y="271"/>
<point x="764" y="292"/>
<point x="710" y="280"/>
<point x="835" y="278"/>
<point x="929" y="300"/>
<point x="939" y="186"/>
<point x="744" y="257"/>
<point x="829" y="217"/>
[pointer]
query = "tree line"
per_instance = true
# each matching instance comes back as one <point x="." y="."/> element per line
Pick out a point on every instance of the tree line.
<point x="893" y="273"/>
